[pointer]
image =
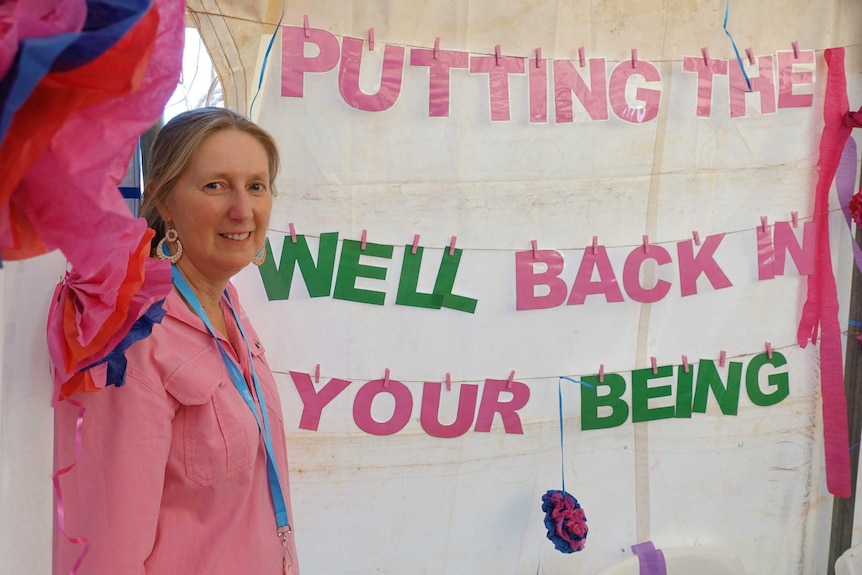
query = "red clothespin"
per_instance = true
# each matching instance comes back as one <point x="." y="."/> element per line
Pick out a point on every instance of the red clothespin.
<point x="750" y="54"/>
<point x="601" y="373"/>
<point x="794" y="217"/>
<point x="696" y="237"/>
<point x="595" y="244"/>
<point x="511" y="378"/>
<point x="654" y="364"/>
<point x="646" y="244"/>
<point x="305" y="25"/>
<point x="538" y="56"/>
<point x="452" y="245"/>
<point x="292" y="232"/>
<point x="497" y="54"/>
<point x="386" y="378"/>
<point x="705" y="52"/>
<point x="634" y="57"/>
<point x="722" y="356"/>
<point x="371" y="39"/>
<point x="533" y="244"/>
<point x="415" y="243"/>
<point x="436" y="52"/>
<point x="364" y="236"/>
<point x="582" y="59"/>
<point x="764" y="225"/>
<point x="795" y="45"/>
<point x="768" y="350"/>
<point x="685" y="363"/>
<point x="448" y="382"/>
<point x="317" y="373"/>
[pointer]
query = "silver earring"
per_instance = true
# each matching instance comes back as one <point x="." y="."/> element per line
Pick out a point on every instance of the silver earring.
<point x="162" y="252"/>
<point x="259" y="257"/>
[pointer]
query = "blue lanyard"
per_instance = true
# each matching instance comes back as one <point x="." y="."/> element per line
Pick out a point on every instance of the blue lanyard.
<point x="239" y="382"/>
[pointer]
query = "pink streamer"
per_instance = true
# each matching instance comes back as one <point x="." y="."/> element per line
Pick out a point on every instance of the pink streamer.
<point x="61" y="518"/>
<point x="821" y="306"/>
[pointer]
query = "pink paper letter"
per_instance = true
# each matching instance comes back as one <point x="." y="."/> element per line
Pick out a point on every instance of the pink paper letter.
<point x="763" y="84"/>
<point x="691" y="266"/>
<point x="649" y="97"/>
<point x="438" y="87"/>
<point x="390" y="80"/>
<point x="765" y="254"/>
<point x="400" y="415"/>
<point x="632" y="269"/>
<point x="498" y="81"/>
<point x="538" y="90"/>
<point x="607" y="284"/>
<point x="787" y="78"/>
<point x="704" y="80"/>
<point x="491" y="404"/>
<point x="786" y="242"/>
<point x="526" y="280"/>
<point x="429" y="416"/>
<point x="313" y="401"/>
<point x="293" y="61"/>
<point x="594" y="98"/>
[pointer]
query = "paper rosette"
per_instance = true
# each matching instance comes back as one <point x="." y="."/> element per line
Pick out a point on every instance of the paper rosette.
<point x="565" y="521"/>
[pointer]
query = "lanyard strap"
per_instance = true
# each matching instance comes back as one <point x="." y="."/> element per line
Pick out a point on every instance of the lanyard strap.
<point x="241" y="385"/>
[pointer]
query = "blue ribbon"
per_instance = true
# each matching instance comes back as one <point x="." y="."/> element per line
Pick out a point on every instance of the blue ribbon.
<point x="732" y="43"/>
<point x="242" y="387"/>
<point x="265" y="58"/>
<point x="562" y="434"/>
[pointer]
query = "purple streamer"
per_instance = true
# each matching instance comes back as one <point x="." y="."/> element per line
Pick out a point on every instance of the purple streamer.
<point x="650" y="559"/>
<point x="845" y="180"/>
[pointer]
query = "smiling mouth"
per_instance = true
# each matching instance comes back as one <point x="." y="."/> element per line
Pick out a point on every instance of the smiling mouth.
<point x="237" y="237"/>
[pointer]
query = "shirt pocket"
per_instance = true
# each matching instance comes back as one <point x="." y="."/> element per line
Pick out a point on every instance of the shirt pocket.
<point x="219" y="432"/>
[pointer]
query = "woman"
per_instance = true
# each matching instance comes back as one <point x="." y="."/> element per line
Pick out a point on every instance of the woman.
<point x="183" y="470"/>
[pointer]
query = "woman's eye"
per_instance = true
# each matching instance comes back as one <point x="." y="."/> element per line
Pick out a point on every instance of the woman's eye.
<point x="212" y="186"/>
<point x="257" y="187"/>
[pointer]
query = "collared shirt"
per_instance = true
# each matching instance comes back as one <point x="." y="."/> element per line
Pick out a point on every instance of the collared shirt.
<point x="172" y="474"/>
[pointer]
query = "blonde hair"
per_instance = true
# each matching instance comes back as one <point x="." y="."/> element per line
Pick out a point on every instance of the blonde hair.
<point x="176" y="143"/>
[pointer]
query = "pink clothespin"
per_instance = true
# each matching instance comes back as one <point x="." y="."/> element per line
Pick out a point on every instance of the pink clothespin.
<point x="705" y="52"/>
<point x="452" y="245"/>
<point x="386" y="378"/>
<point x="448" y="382"/>
<point x="722" y="356"/>
<point x="654" y="364"/>
<point x="634" y="57"/>
<point x="415" y="243"/>
<point x="601" y="373"/>
<point x="750" y="54"/>
<point x="436" y="52"/>
<point x="371" y="39"/>
<point x="497" y="54"/>
<point x="533" y="244"/>
<point x="794" y="217"/>
<point x="696" y="237"/>
<point x="795" y="45"/>
<point x="538" y="56"/>
<point x="292" y="232"/>
<point x="317" y="373"/>
<point x="685" y="363"/>
<point x="364" y="236"/>
<point x="305" y="25"/>
<point x="646" y="244"/>
<point x="764" y="225"/>
<point x="768" y="350"/>
<point x="511" y="378"/>
<point x="582" y="59"/>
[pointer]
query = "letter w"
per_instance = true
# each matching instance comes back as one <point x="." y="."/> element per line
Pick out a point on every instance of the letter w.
<point x="318" y="278"/>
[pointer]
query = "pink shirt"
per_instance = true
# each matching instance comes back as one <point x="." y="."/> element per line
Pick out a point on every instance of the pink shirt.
<point x="172" y="475"/>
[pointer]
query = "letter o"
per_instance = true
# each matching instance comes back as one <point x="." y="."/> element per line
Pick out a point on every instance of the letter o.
<point x="400" y="415"/>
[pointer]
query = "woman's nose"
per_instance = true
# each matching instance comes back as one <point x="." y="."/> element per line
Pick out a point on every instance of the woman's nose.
<point x="241" y="208"/>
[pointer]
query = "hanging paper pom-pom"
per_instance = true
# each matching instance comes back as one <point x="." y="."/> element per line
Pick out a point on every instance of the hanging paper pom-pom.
<point x="565" y="520"/>
<point x="856" y="208"/>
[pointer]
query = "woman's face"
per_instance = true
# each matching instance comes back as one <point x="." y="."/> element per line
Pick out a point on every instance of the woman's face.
<point x="220" y="207"/>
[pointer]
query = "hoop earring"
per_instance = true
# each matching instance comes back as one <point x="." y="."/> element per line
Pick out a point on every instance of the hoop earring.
<point x="172" y="237"/>
<point x="259" y="257"/>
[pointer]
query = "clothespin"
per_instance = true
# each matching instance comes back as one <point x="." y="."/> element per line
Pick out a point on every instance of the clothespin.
<point x="292" y="232"/>
<point x="634" y="57"/>
<point x="768" y="350"/>
<point x="721" y="358"/>
<point x="601" y="373"/>
<point x="595" y="244"/>
<point x="317" y="373"/>
<point x="415" y="243"/>
<point x="538" y="56"/>
<point x="795" y="45"/>
<point x="452" y="245"/>
<point x="794" y="217"/>
<point x="371" y="39"/>
<point x="764" y="226"/>
<point x="646" y="244"/>
<point x="448" y="382"/>
<point x="685" y="363"/>
<point x="364" y="235"/>
<point x="582" y="60"/>
<point x="511" y="378"/>
<point x="497" y="54"/>
<point x="533" y="244"/>
<point x="654" y="364"/>
<point x="386" y="378"/>
<point x="705" y="52"/>
<point x="436" y="47"/>
<point x="696" y="237"/>
<point x="750" y="54"/>
<point x="305" y="25"/>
